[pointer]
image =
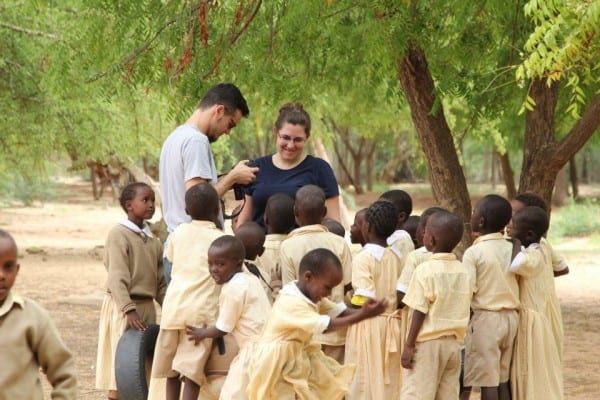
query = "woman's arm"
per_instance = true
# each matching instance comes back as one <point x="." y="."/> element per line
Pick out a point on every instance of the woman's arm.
<point x="246" y="214"/>
<point x="333" y="208"/>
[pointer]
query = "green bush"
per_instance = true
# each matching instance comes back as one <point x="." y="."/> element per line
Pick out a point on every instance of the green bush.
<point x="575" y="219"/>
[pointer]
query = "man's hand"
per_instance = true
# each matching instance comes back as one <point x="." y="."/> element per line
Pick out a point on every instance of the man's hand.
<point x="243" y="174"/>
<point x="134" y="320"/>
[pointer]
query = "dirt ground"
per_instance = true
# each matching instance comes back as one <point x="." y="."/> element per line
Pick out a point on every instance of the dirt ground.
<point x="60" y="246"/>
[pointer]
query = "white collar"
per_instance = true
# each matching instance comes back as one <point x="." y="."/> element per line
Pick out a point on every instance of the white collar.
<point x="375" y="250"/>
<point x="292" y="289"/>
<point x="397" y="235"/>
<point x="133" y="227"/>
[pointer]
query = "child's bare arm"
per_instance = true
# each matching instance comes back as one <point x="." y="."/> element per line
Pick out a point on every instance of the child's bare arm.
<point x="409" y="349"/>
<point x="400" y="296"/>
<point x="199" y="334"/>
<point x="350" y="316"/>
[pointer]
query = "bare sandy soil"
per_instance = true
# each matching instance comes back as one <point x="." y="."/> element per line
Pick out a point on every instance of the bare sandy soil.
<point x="60" y="245"/>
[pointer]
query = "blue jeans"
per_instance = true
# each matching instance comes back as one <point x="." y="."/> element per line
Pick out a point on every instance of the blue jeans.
<point x="167" y="265"/>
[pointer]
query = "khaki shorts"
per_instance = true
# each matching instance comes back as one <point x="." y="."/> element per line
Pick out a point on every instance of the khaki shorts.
<point x="175" y="355"/>
<point x="436" y="360"/>
<point x="488" y="347"/>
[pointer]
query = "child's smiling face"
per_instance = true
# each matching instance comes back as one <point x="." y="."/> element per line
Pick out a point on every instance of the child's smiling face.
<point x="222" y="265"/>
<point x="9" y="267"/>
<point x="315" y="287"/>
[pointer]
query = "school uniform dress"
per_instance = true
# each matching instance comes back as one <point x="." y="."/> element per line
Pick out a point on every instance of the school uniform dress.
<point x="29" y="341"/>
<point x="243" y="311"/>
<point x="440" y="288"/>
<point x="133" y="260"/>
<point x="270" y="261"/>
<point x="299" y="242"/>
<point x="554" y="312"/>
<point x="191" y="299"/>
<point x="413" y="259"/>
<point x="536" y="366"/>
<point x="493" y="326"/>
<point x="286" y="363"/>
<point x="374" y="344"/>
<point x="401" y="243"/>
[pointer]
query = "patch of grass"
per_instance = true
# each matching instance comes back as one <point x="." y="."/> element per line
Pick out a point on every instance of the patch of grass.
<point x="575" y="220"/>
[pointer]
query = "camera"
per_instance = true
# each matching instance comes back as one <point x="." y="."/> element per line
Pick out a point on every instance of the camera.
<point x="238" y="189"/>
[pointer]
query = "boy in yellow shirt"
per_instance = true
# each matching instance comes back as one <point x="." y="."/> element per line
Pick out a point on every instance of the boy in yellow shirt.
<point x="439" y="294"/>
<point x="191" y="299"/>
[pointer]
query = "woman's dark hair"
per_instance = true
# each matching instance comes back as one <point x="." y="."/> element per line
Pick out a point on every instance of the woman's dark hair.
<point x="293" y="113"/>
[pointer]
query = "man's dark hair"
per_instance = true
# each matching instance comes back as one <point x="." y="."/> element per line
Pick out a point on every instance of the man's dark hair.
<point x="228" y="95"/>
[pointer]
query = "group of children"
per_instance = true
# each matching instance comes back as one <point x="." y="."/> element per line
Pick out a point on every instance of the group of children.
<point x="309" y="318"/>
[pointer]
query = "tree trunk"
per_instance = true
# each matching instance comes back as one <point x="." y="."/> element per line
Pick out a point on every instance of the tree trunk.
<point x="508" y="175"/>
<point x="543" y="157"/>
<point x="561" y="188"/>
<point x="445" y="172"/>
<point x="574" y="178"/>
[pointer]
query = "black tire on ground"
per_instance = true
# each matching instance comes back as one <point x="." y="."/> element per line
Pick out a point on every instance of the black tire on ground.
<point x="133" y="350"/>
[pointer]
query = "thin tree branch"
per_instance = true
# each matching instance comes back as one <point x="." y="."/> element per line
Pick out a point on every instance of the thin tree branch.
<point x="30" y="32"/>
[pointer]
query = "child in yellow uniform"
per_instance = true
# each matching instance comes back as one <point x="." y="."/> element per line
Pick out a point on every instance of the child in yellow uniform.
<point x="414" y="258"/>
<point x="191" y="298"/>
<point x="133" y="260"/>
<point x="285" y="362"/>
<point x="252" y="235"/>
<point x="29" y="340"/>
<point x="439" y="295"/>
<point x="243" y="309"/>
<point x="493" y="326"/>
<point x="400" y="241"/>
<point x="536" y="371"/>
<point x="310" y="210"/>
<point x="374" y="344"/>
<point x="279" y="220"/>
<point x="558" y="264"/>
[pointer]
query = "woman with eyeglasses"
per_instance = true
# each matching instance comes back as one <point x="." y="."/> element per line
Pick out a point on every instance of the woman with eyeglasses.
<point x="290" y="168"/>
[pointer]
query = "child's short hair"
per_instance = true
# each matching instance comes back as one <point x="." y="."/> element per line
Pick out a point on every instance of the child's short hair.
<point x="128" y="193"/>
<point x="251" y="234"/>
<point x="496" y="211"/>
<point x="532" y="218"/>
<point x="334" y="226"/>
<point x="317" y="261"/>
<point x="448" y="228"/>
<point x="401" y="200"/>
<point x="279" y="213"/>
<point x="532" y="199"/>
<point x="234" y="246"/>
<point x="202" y="202"/>
<point x="382" y="215"/>
<point x="310" y="202"/>
<point x="410" y="226"/>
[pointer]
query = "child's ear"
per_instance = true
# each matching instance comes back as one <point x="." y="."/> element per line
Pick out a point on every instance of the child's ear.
<point x="324" y="212"/>
<point x="308" y="275"/>
<point x="260" y="251"/>
<point x="402" y="217"/>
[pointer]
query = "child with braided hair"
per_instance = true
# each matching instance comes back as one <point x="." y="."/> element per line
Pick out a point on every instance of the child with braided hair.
<point x="374" y="344"/>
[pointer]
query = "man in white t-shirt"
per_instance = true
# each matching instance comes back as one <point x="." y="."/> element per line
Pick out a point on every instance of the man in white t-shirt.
<point x="186" y="157"/>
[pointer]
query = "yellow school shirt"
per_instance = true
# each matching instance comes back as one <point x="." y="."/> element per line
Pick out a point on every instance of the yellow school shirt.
<point x="413" y="259"/>
<point x="401" y="244"/>
<point x="243" y="308"/>
<point x="29" y="341"/>
<point x="304" y="239"/>
<point x="442" y="289"/>
<point x="496" y="288"/>
<point x="192" y="295"/>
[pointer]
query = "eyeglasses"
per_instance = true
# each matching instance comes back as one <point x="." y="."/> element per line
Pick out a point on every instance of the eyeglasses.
<point x="296" y="140"/>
